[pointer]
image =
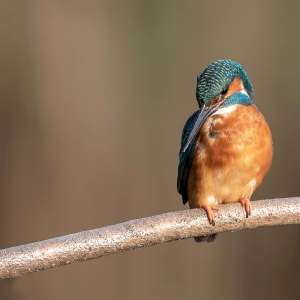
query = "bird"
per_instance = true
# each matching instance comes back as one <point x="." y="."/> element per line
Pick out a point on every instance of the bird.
<point x="226" y="146"/>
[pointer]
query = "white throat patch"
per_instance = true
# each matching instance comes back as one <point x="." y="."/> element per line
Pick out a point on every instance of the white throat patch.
<point x="243" y="91"/>
<point x="225" y="110"/>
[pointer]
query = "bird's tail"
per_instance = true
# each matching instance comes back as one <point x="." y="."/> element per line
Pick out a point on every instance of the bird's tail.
<point x="206" y="238"/>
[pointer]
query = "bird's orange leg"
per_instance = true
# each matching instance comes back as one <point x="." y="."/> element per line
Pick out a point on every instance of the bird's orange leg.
<point x="210" y="214"/>
<point x="246" y="203"/>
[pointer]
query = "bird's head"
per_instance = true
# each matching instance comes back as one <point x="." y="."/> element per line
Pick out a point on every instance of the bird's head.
<point x="223" y="83"/>
<point x="221" y="80"/>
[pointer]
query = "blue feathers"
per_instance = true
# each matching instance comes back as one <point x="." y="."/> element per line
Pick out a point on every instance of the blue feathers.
<point x="237" y="98"/>
<point x="185" y="157"/>
<point x="218" y="75"/>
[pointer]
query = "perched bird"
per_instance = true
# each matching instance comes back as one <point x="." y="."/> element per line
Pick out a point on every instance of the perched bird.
<point x="226" y="146"/>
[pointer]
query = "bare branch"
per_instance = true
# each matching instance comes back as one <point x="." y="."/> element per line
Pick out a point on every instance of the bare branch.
<point x="145" y="232"/>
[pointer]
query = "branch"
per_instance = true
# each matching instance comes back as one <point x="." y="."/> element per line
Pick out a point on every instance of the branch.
<point x="145" y="232"/>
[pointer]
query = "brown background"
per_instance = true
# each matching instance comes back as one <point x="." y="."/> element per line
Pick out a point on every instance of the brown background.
<point x="93" y="98"/>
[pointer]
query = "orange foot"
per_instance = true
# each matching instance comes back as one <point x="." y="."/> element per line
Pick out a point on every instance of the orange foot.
<point x="246" y="203"/>
<point x="210" y="214"/>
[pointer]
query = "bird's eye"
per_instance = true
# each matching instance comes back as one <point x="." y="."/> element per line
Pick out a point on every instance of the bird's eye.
<point x="225" y="90"/>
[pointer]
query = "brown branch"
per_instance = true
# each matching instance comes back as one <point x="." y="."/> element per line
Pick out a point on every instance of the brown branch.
<point x="145" y="232"/>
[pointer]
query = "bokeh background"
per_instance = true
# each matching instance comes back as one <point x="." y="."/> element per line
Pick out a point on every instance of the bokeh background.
<point x="94" y="95"/>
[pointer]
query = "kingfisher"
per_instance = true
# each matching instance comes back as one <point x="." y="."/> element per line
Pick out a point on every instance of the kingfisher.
<point x="226" y="145"/>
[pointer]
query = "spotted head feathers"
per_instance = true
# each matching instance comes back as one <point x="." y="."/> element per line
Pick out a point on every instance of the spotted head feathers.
<point x="217" y="77"/>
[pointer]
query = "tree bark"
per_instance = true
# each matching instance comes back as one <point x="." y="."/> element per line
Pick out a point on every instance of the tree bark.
<point x="144" y="232"/>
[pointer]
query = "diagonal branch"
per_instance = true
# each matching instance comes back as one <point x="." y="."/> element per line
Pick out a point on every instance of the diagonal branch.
<point x="145" y="232"/>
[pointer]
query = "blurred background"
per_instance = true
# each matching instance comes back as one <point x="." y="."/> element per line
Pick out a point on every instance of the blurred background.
<point x="94" y="95"/>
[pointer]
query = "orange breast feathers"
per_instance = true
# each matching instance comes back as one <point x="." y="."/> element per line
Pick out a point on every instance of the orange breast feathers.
<point x="232" y="155"/>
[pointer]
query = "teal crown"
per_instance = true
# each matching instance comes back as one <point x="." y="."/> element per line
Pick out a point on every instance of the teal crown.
<point x="216" y="77"/>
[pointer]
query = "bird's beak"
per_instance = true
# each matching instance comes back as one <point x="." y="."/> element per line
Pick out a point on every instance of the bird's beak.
<point x="203" y="114"/>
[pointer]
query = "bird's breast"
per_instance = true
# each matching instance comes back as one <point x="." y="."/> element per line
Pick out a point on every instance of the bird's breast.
<point x="231" y="157"/>
<point x="235" y="132"/>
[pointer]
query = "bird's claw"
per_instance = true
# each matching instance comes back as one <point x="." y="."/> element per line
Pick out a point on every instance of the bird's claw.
<point x="246" y="203"/>
<point x="210" y="214"/>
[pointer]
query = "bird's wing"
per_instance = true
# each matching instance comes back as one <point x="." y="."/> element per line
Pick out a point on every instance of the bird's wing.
<point x="185" y="158"/>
